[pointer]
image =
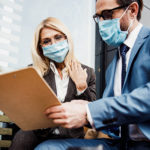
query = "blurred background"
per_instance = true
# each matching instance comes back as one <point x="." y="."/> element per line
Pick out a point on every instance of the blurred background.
<point x="19" y="18"/>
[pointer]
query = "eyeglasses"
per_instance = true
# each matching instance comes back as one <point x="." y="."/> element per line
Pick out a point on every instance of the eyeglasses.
<point x="107" y="14"/>
<point x="48" y="41"/>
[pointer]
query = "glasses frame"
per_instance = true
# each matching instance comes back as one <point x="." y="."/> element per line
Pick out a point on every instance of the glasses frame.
<point x="41" y="43"/>
<point x="97" y="17"/>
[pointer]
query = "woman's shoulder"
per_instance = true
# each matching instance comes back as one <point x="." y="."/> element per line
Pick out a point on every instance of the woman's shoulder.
<point x="90" y="71"/>
<point x="87" y="67"/>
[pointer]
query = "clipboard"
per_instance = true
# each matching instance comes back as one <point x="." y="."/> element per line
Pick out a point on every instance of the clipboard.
<point x="24" y="96"/>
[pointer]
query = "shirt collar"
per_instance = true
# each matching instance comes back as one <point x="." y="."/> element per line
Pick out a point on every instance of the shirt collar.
<point x="54" y="69"/>
<point x="133" y="36"/>
<point x="130" y="41"/>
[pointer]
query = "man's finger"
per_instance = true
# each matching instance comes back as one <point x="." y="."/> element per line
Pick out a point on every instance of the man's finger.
<point x="54" y="109"/>
<point x="57" y="116"/>
<point x="61" y="122"/>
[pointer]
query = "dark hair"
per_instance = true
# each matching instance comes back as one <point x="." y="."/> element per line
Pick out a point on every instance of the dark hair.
<point x="128" y="2"/>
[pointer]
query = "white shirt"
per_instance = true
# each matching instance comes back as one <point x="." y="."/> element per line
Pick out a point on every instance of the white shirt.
<point x="130" y="41"/>
<point x="62" y="84"/>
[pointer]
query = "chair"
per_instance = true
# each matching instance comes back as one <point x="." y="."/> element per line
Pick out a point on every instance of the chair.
<point x="100" y="147"/>
<point x="5" y="132"/>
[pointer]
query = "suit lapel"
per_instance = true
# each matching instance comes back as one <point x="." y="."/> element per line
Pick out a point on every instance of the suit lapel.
<point x="70" y="91"/>
<point x="50" y="78"/>
<point x="138" y="43"/>
<point x="110" y="77"/>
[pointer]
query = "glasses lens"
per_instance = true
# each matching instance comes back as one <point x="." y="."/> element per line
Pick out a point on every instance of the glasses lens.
<point x="107" y="14"/>
<point x="96" y="18"/>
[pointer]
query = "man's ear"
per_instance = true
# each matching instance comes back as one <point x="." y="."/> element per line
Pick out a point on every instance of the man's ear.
<point x="134" y="9"/>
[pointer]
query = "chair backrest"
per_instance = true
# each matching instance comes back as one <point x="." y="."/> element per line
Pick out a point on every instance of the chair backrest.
<point x="4" y="131"/>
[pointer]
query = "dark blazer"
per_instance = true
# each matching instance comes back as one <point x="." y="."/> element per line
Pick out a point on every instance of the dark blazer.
<point x="89" y="94"/>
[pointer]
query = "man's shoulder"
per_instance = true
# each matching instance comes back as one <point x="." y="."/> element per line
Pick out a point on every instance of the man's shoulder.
<point x="144" y="34"/>
<point x="145" y="30"/>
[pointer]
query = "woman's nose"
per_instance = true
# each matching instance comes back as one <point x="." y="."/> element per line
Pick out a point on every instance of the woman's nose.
<point x="53" y="41"/>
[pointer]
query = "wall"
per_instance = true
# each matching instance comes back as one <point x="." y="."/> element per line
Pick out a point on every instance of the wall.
<point x="146" y="14"/>
<point x="76" y="15"/>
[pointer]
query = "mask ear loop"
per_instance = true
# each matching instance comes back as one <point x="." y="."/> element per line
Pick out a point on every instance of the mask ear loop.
<point x="124" y="12"/>
<point x="130" y="24"/>
<point x="132" y="20"/>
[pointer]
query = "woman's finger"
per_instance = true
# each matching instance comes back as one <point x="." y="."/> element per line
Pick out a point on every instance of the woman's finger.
<point x="69" y="69"/>
<point x="74" y="65"/>
<point x="80" y="69"/>
<point x="85" y="70"/>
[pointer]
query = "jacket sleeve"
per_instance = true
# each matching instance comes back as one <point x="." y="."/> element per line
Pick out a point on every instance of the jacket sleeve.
<point x="90" y="93"/>
<point x="128" y="108"/>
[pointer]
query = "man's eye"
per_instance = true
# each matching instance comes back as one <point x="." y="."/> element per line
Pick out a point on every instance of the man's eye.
<point x="107" y="15"/>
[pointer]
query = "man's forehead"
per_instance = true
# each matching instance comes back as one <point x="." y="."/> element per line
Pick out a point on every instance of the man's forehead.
<point x="105" y="4"/>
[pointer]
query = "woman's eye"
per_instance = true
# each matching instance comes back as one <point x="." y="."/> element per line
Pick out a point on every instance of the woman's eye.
<point x="58" y="37"/>
<point x="46" y="41"/>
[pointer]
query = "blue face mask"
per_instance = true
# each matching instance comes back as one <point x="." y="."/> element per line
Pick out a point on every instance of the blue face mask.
<point x="56" y="52"/>
<point x="111" y="33"/>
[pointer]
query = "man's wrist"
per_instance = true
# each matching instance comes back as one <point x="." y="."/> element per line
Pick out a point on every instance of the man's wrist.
<point x="89" y="117"/>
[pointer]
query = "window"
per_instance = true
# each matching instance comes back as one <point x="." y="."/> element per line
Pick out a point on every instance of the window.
<point x="10" y="29"/>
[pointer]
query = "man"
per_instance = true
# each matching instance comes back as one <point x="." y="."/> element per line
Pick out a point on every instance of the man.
<point x="126" y="99"/>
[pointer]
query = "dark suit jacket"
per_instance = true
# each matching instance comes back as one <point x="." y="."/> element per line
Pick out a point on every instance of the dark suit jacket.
<point x="89" y="94"/>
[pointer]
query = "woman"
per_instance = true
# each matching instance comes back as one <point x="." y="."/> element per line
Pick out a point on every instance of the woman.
<point x="54" y="59"/>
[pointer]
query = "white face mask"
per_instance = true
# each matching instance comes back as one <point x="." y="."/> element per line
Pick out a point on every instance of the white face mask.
<point x="56" y="52"/>
<point x="110" y="31"/>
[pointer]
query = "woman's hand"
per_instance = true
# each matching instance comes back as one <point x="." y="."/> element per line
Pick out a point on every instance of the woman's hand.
<point x="78" y="75"/>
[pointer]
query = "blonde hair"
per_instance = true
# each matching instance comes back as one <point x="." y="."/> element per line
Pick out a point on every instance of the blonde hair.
<point x="40" y="62"/>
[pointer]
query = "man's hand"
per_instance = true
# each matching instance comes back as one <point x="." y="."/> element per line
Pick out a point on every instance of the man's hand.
<point x="69" y="115"/>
